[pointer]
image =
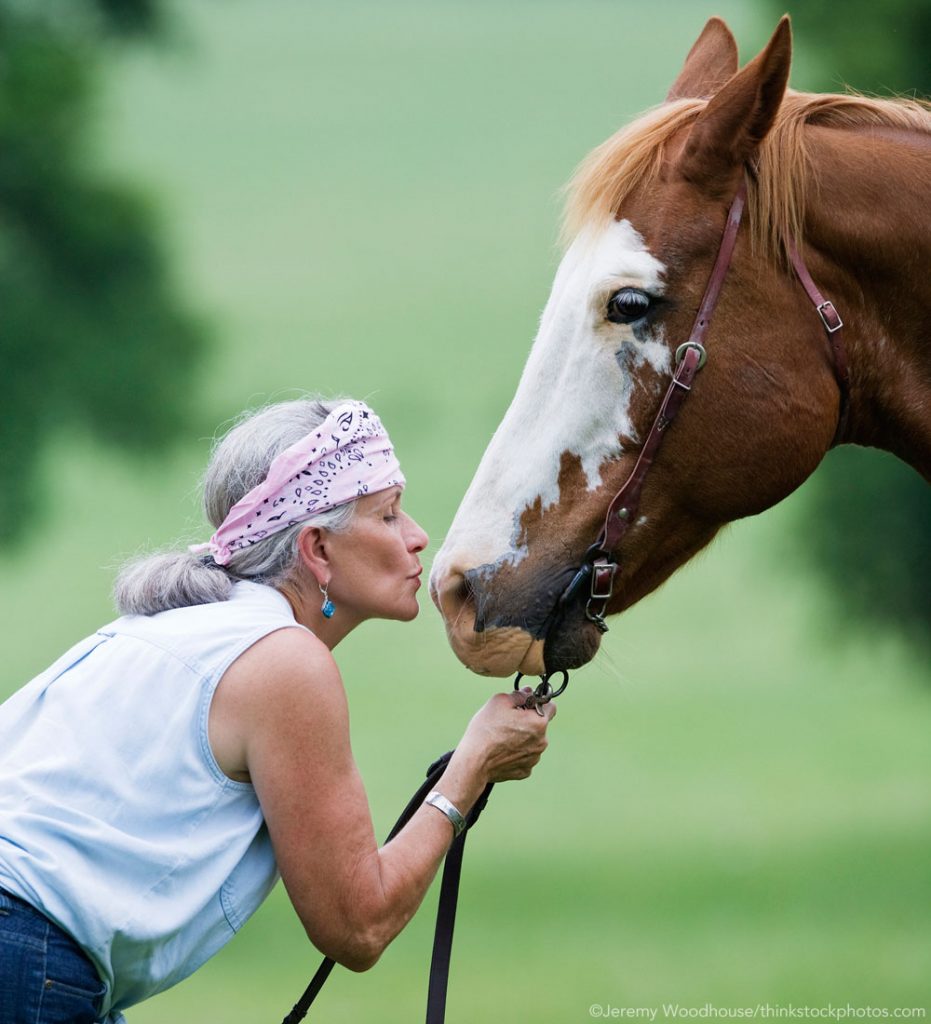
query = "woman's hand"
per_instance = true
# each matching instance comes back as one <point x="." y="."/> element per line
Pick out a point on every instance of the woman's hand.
<point x="504" y="740"/>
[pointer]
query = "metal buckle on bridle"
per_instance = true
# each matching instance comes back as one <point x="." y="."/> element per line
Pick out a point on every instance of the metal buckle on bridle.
<point x="700" y="349"/>
<point x="597" y="564"/>
<point x="602" y="589"/>
<point x="544" y="692"/>
<point x="829" y="316"/>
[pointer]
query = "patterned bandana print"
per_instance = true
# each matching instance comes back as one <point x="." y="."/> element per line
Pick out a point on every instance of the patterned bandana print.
<point x="347" y="456"/>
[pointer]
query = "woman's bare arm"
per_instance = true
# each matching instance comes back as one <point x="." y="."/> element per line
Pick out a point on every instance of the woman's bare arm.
<point x="280" y="714"/>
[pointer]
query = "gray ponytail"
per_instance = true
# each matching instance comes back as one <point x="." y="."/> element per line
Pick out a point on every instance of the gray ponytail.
<point x="239" y="462"/>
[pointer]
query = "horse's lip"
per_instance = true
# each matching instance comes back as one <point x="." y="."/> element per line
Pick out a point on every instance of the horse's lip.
<point x="571" y="644"/>
<point x="532" y="663"/>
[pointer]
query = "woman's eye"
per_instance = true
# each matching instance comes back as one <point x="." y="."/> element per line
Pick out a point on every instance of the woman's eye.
<point x="628" y="305"/>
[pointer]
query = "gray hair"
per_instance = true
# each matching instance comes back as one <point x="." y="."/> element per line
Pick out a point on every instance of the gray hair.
<point x="239" y="462"/>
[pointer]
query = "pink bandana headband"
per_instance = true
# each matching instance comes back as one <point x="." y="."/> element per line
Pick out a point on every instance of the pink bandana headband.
<point x="347" y="456"/>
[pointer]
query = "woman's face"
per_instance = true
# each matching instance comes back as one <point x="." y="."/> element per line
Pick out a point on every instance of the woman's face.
<point x="375" y="563"/>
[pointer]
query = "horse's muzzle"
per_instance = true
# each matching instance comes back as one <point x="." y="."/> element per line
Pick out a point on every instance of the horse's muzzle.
<point x="497" y="628"/>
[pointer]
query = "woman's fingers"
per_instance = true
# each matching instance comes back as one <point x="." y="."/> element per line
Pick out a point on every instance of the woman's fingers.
<point x="506" y="744"/>
<point x="519" y="700"/>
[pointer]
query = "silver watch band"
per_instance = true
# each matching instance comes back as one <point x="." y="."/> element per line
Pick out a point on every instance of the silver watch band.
<point x="437" y="800"/>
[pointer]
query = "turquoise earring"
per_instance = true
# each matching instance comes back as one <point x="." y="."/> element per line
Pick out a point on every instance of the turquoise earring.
<point x="328" y="608"/>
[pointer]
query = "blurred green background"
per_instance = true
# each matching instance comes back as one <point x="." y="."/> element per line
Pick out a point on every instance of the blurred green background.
<point x="363" y="198"/>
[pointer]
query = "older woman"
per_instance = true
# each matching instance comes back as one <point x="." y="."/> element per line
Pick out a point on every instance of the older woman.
<point x="157" y="778"/>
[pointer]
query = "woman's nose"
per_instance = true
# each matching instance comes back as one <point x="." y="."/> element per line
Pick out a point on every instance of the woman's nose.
<point x="417" y="538"/>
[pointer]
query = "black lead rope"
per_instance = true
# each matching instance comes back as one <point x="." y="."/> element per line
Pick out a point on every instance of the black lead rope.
<point x="445" y="922"/>
<point x="449" y="887"/>
<point x="445" y="914"/>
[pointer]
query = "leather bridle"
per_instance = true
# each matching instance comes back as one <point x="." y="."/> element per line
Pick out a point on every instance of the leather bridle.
<point x="599" y="565"/>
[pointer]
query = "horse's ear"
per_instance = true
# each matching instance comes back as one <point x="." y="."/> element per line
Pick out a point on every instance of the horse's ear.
<point x="710" y="63"/>
<point x="730" y="129"/>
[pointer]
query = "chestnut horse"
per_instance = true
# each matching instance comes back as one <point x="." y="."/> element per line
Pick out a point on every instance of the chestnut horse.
<point x="847" y="180"/>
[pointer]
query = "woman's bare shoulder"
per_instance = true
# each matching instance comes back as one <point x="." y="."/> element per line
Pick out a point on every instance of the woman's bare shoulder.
<point x="285" y="683"/>
<point x="280" y="660"/>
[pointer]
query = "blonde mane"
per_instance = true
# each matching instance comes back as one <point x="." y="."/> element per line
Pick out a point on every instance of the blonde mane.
<point x="633" y="156"/>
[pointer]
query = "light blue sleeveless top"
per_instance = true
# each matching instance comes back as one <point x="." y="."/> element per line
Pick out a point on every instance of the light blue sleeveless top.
<point x="115" y="818"/>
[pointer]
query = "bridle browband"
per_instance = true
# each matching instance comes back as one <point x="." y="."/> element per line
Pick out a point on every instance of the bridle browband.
<point x="599" y="564"/>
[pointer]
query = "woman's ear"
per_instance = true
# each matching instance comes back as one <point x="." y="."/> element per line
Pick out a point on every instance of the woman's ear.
<point x="312" y="548"/>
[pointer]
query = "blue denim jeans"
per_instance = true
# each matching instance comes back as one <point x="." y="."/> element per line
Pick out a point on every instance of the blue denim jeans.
<point x="45" y="977"/>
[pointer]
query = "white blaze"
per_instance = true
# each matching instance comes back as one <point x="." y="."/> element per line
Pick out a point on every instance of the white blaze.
<point x="574" y="396"/>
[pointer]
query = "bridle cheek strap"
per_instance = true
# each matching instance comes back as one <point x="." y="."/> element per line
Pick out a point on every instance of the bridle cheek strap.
<point x="599" y="565"/>
<point x="690" y="358"/>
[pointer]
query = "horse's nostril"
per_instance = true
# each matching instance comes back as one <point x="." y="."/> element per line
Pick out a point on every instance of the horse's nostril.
<point x="476" y="599"/>
<point x="452" y="594"/>
<point x="464" y="594"/>
<point x="459" y="602"/>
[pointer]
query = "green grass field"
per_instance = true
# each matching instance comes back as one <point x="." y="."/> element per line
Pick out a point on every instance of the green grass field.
<point x="735" y="808"/>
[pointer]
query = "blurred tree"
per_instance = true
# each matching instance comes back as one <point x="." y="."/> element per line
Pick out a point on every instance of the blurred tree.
<point x="91" y="334"/>
<point x="873" y="47"/>
<point x="130" y="17"/>
<point x="870" y="533"/>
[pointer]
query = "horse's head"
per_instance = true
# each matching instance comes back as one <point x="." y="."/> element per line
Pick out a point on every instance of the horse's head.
<point x="646" y="217"/>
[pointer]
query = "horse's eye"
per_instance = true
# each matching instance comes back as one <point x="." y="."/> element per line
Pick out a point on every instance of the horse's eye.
<point x="628" y="305"/>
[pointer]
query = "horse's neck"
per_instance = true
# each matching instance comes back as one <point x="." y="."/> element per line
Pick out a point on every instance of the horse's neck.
<point x="870" y="219"/>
